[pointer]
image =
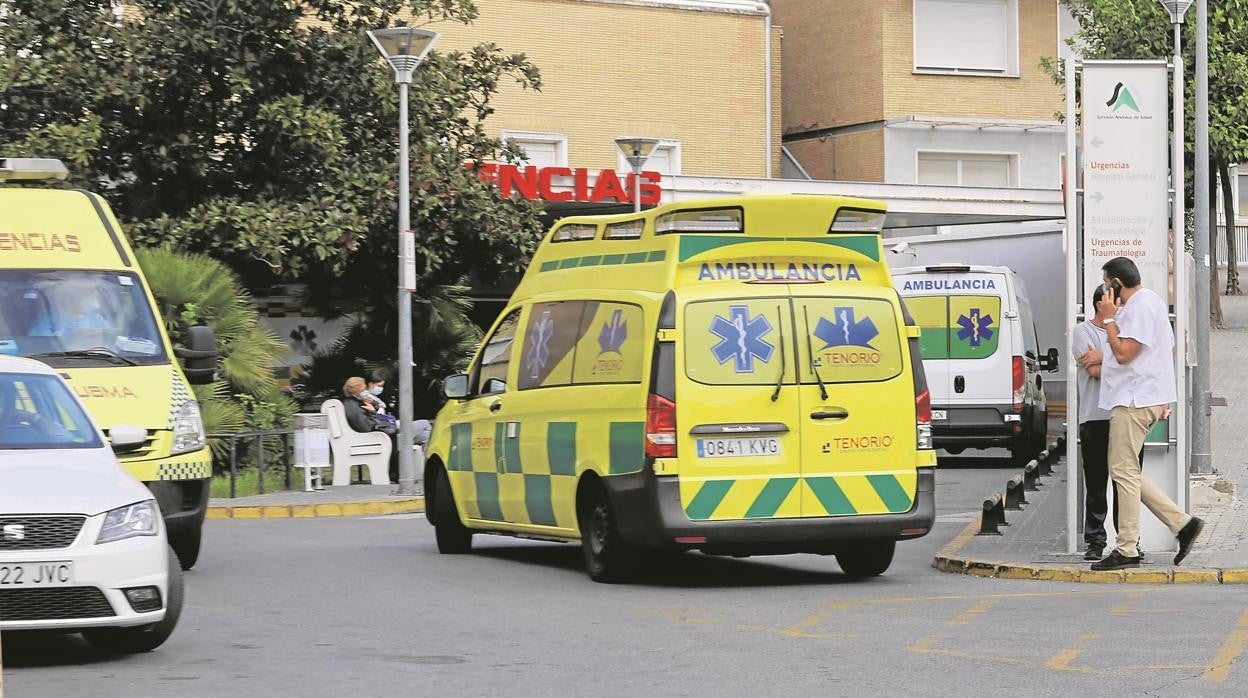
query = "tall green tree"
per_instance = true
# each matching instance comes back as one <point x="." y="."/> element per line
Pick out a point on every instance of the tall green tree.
<point x="263" y="133"/>
<point x="1142" y="29"/>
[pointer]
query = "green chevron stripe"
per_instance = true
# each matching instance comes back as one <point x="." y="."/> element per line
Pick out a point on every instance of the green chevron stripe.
<point x="831" y="496"/>
<point x="769" y="500"/>
<point x="708" y="498"/>
<point x="891" y="492"/>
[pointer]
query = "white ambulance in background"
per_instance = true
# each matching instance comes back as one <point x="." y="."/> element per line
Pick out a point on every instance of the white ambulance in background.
<point x="981" y="356"/>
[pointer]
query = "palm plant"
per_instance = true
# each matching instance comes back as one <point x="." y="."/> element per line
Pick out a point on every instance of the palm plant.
<point x="193" y="289"/>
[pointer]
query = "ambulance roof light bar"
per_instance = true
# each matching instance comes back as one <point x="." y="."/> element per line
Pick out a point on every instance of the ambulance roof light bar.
<point x="32" y="169"/>
<point x="857" y="220"/>
<point x="706" y="220"/>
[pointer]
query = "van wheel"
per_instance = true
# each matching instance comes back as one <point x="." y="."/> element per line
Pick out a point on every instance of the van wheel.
<point x="955" y="450"/>
<point x="144" y="638"/>
<point x="869" y="559"/>
<point x="607" y="558"/>
<point x="453" y="537"/>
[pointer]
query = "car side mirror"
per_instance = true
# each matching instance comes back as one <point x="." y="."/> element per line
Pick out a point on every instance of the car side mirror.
<point x="1048" y="362"/>
<point x="455" y="387"/>
<point x="126" y="437"/>
<point x="199" y="356"/>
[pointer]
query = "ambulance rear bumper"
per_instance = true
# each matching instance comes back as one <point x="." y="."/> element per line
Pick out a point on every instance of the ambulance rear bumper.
<point x="649" y="515"/>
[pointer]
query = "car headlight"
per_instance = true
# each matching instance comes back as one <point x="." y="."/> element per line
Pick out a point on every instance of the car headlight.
<point x="188" y="429"/>
<point x="138" y="519"/>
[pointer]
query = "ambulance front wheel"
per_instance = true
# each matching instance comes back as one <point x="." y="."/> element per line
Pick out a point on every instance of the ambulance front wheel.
<point x="869" y="559"/>
<point x="453" y="537"/>
<point x="607" y="558"/>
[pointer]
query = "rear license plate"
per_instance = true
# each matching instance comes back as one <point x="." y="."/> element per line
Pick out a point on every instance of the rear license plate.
<point x="36" y="574"/>
<point x="939" y="414"/>
<point x="735" y="448"/>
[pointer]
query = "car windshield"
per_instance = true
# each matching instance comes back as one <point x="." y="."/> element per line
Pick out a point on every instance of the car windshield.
<point x="38" y="411"/>
<point x="74" y="317"/>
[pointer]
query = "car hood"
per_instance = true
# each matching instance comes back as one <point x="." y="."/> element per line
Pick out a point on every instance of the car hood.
<point x="65" y="481"/>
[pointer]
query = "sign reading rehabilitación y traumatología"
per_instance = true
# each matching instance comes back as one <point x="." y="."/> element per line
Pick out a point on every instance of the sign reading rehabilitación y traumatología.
<point x="1126" y="169"/>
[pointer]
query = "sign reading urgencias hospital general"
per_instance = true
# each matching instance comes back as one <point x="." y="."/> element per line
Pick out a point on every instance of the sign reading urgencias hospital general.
<point x="1126" y="207"/>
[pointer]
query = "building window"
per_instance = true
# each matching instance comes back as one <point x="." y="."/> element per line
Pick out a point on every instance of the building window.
<point x="540" y="149"/>
<point x="1242" y="195"/>
<point x="968" y="169"/>
<point x="973" y="36"/>
<point x="664" y="159"/>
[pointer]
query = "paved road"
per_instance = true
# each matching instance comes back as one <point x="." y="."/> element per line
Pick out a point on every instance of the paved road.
<point x="366" y="607"/>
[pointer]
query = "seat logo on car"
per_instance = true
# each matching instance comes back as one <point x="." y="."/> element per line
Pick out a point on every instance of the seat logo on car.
<point x="14" y="532"/>
<point x="975" y="327"/>
<point x="741" y="339"/>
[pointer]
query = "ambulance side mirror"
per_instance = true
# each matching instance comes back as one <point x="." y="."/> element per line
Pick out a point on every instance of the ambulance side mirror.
<point x="199" y="356"/>
<point x="456" y="387"/>
<point x="1048" y="362"/>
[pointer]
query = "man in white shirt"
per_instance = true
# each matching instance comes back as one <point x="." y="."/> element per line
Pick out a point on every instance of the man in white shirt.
<point x="1137" y="387"/>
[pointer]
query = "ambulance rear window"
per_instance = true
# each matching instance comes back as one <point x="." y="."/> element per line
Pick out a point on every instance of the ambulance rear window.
<point x="852" y="340"/>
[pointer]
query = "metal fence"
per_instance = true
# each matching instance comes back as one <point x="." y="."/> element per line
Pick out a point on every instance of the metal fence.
<point x="261" y="439"/>
<point x="1241" y="245"/>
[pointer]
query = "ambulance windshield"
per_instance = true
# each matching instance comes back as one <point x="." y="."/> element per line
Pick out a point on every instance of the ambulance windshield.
<point x="77" y="317"/>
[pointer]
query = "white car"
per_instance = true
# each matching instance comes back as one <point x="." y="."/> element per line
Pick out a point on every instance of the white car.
<point x="82" y="543"/>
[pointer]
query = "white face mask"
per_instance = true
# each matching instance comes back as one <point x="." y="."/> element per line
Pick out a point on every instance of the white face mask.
<point x="376" y="391"/>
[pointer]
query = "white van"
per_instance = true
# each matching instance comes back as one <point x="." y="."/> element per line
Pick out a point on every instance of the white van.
<point x="981" y="356"/>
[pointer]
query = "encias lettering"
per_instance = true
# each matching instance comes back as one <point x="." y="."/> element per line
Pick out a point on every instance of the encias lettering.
<point x="39" y="242"/>
<point x="778" y="271"/>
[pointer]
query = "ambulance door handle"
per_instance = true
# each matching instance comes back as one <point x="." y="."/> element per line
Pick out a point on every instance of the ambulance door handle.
<point x="959" y="384"/>
<point x="496" y="405"/>
<point x="834" y="413"/>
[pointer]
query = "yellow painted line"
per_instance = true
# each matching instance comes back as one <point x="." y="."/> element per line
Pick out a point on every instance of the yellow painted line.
<point x="925" y="646"/>
<point x="973" y="612"/>
<point x="1061" y="661"/>
<point x="1235" y="576"/>
<point x="951" y="549"/>
<point x="819" y="617"/>
<point x="307" y="511"/>
<point x="1220" y="667"/>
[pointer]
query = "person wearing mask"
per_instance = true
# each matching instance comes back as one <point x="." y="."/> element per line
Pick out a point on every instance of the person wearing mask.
<point x="362" y="416"/>
<point x="1137" y="387"/>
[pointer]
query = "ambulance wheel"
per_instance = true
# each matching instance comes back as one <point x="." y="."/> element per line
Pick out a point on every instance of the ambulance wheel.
<point x="453" y="537"/>
<point x="955" y="450"/>
<point x="186" y="546"/>
<point x="868" y="559"/>
<point x="607" y="558"/>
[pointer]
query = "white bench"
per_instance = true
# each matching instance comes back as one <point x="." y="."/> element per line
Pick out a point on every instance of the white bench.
<point x="351" y="448"/>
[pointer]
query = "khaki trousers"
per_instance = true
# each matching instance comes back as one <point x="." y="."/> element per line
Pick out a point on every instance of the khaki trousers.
<point x="1127" y="428"/>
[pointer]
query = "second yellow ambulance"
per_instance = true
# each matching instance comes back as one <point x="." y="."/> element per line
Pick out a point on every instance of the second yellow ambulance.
<point x="736" y="376"/>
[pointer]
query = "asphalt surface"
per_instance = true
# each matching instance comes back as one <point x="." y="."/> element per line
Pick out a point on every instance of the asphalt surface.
<point x="367" y="607"/>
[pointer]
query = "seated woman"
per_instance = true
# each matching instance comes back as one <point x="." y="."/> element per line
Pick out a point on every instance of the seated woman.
<point x="362" y="416"/>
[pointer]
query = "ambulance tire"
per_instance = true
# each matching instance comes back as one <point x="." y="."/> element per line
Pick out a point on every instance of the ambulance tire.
<point x="608" y="559"/>
<point x="453" y="537"/>
<point x="186" y="545"/>
<point x="868" y="559"/>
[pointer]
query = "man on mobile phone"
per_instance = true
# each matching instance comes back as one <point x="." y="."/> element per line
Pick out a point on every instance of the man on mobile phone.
<point x="1137" y="387"/>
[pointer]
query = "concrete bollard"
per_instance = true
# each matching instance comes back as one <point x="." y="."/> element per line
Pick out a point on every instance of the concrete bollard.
<point x="1046" y="466"/>
<point x="1015" y="498"/>
<point x="1031" y="476"/>
<point x="994" y="516"/>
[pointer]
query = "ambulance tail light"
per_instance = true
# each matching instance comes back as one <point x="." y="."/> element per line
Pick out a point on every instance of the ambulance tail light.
<point x="660" y="427"/>
<point x="923" y="419"/>
<point x="1019" y="374"/>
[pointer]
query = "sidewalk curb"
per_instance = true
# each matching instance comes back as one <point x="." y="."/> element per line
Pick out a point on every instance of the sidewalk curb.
<point x="947" y="560"/>
<point x="313" y="511"/>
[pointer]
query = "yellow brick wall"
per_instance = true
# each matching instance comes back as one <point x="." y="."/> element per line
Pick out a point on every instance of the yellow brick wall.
<point x="834" y="62"/>
<point x="848" y="157"/>
<point x="1032" y="95"/>
<point x="613" y="69"/>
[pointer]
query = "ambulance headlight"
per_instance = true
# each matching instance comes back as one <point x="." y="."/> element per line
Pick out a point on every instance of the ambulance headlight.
<point x="188" y="429"/>
<point x="856" y="220"/>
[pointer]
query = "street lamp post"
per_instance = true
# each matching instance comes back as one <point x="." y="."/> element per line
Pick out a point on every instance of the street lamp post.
<point x="636" y="151"/>
<point x="404" y="48"/>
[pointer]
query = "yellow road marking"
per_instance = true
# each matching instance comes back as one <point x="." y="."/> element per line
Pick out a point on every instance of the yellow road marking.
<point x="817" y="618"/>
<point x="1220" y="667"/>
<point x="924" y="646"/>
<point x="973" y="612"/>
<point x="1061" y="661"/>
<point x="960" y="540"/>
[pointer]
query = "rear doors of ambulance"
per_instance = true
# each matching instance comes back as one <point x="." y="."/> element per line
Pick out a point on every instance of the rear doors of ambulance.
<point x="760" y="436"/>
<point x="966" y="353"/>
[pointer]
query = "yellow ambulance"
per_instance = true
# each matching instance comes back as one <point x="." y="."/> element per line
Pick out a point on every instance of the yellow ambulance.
<point x="735" y="376"/>
<point x="73" y="296"/>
